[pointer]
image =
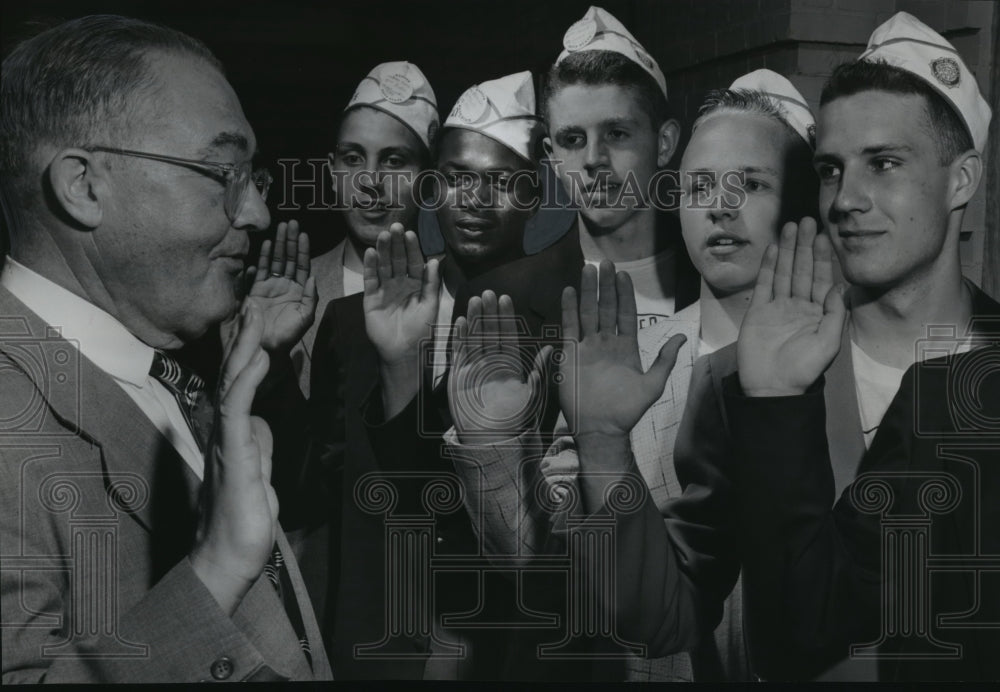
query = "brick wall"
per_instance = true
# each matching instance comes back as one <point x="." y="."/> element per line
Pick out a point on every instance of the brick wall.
<point x="705" y="45"/>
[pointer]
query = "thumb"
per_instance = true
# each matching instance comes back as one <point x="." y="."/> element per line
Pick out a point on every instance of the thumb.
<point x="661" y="368"/>
<point x="834" y="316"/>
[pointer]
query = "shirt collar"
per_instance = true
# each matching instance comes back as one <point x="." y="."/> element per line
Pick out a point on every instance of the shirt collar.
<point x="99" y="336"/>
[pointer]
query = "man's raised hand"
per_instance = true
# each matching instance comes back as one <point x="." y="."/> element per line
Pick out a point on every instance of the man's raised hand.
<point x="792" y="330"/>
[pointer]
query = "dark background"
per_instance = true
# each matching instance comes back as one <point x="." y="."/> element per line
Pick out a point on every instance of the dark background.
<point x="295" y="64"/>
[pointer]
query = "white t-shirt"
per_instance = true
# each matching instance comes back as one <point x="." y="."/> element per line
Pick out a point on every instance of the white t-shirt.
<point x="653" y="279"/>
<point x="354" y="282"/>
<point x="876" y="384"/>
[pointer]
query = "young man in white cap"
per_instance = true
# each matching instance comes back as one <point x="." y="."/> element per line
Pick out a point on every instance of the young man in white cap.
<point x="899" y="137"/>
<point x="746" y="171"/>
<point x="605" y="105"/>
<point x="384" y="140"/>
<point x="485" y="192"/>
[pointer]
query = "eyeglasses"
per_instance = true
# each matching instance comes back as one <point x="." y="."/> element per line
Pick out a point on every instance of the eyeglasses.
<point x="236" y="177"/>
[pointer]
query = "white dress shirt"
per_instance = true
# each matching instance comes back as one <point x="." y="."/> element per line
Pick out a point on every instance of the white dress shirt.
<point x="111" y="347"/>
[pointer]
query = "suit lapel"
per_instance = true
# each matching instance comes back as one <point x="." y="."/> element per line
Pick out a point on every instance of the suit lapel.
<point x="96" y="406"/>
<point x="843" y="419"/>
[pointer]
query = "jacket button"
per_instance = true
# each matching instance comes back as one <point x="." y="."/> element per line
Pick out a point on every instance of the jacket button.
<point x="222" y="668"/>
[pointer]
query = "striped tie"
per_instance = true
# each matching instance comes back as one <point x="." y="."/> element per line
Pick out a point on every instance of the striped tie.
<point x="189" y="391"/>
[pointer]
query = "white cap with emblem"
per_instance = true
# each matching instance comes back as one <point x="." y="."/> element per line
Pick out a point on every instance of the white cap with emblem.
<point x="401" y="90"/>
<point x="600" y="30"/>
<point x="907" y="43"/>
<point x="794" y="109"/>
<point x="503" y="109"/>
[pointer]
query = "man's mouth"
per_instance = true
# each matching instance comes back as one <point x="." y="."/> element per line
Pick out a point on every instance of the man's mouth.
<point x="473" y="226"/>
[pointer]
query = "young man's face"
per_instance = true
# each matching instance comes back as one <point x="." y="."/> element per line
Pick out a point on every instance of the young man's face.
<point x="726" y="234"/>
<point x="884" y="194"/>
<point x="381" y="158"/>
<point x="488" y="200"/>
<point x="600" y="137"/>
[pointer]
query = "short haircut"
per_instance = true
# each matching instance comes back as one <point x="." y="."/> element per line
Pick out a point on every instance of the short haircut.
<point x="943" y="122"/>
<point x="73" y="83"/>
<point x="800" y="196"/>
<point x="599" y="67"/>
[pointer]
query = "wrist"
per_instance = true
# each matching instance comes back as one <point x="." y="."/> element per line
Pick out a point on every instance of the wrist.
<point x="226" y="587"/>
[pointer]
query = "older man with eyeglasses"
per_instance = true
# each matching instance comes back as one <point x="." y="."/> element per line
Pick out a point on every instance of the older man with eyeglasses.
<point x="138" y="525"/>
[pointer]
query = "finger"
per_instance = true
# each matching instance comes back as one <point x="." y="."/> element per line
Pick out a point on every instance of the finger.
<point x="459" y="341"/>
<point x="490" y="329"/>
<point x="303" y="262"/>
<point x="763" y="290"/>
<point x="802" y="265"/>
<point x="570" y="318"/>
<point x="507" y="324"/>
<point x="822" y="267"/>
<point x="475" y="314"/>
<point x="278" y="258"/>
<point x="660" y="370"/>
<point x="786" y="256"/>
<point x="234" y="407"/>
<point x="384" y="261"/>
<point x="628" y="320"/>
<point x="607" y="298"/>
<point x="309" y="298"/>
<point x="291" y="250"/>
<point x="260" y="432"/>
<point x="414" y="258"/>
<point x="370" y="271"/>
<point x="834" y="315"/>
<point x="261" y="273"/>
<point x="588" y="301"/>
<point x="430" y="286"/>
<point x="397" y="248"/>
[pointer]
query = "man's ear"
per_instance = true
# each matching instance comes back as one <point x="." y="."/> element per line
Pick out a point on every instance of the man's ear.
<point x="965" y="173"/>
<point x="78" y="186"/>
<point x="666" y="142"/>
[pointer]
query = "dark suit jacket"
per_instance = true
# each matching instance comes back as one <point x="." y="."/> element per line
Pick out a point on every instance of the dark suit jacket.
<point x="92" y="496"/>
<point x="346" y="419"/>
<point x="815" y="571"/>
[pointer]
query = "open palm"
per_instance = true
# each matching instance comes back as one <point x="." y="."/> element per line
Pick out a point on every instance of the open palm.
<point x="283" y="289"/>
<point x="603" y="388"/>
<point x="494" y="388"/>
<point x="400" y="299"/>
<point x="791" y="332"/>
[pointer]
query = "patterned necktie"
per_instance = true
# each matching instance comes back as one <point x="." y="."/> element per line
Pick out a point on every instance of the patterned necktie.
<point x="189" y="391"/>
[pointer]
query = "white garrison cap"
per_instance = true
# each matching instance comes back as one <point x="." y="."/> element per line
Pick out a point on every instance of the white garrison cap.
<point x="907" y="43"/>
<point x="503" y="109"/>
<point x="599" y="30"/>
<point x="794" y="109"/>
<point x="401" y="90"/>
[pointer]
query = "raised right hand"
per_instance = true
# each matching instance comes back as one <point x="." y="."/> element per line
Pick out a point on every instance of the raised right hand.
<point x="791" y="332"/>
<point x="603" y="389"/>
<point x="401" y="296"/>
<point x="237" y="523"/>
